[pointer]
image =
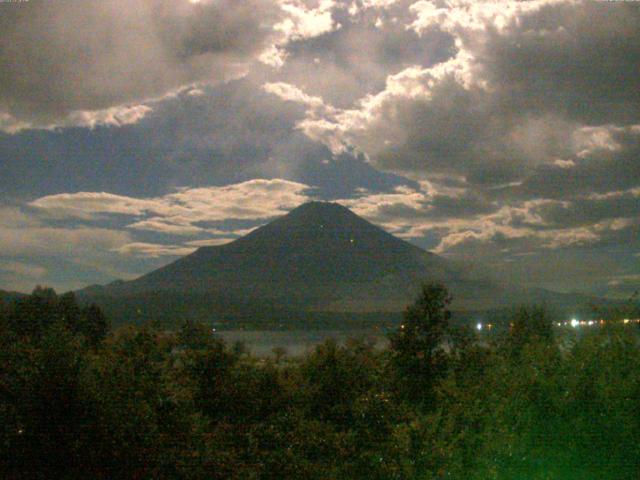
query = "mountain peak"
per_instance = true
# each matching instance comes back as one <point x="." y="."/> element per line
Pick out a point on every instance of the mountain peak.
<point x="319" y="206"/>
<point x="314" y="225"/>
<point x="317" y="209"/>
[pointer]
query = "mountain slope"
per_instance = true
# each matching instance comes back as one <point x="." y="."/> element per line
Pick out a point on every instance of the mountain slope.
<point x="318" y="257"/>
<point x="315" y="246"/>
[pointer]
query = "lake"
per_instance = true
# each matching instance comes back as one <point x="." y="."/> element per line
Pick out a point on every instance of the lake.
<point x="297" y="342"/>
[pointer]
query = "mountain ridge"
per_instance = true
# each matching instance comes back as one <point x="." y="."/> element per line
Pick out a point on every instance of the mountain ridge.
<point x="320" y="257"/>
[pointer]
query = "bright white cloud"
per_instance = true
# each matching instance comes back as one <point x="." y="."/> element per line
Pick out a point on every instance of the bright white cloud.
<point x="304" y="22"/>
<point x="88" y="204"/>
<point x="179" y="211"/>
<point x="110" y="251"/>
<point x="210" y="242"/>
<point x="153" y="250"/>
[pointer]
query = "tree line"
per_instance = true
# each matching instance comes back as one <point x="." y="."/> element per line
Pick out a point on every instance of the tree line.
<point x="78" y="400"/>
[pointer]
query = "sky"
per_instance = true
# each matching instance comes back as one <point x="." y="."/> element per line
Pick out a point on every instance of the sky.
<point x="501" y="133"/>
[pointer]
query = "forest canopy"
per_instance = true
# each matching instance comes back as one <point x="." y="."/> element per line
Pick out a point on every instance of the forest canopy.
<point x="79" y="400"/>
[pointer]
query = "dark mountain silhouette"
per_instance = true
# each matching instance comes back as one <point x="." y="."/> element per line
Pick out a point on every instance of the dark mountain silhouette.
<point x="320" y="257"/>
<point x="316" y="255"/>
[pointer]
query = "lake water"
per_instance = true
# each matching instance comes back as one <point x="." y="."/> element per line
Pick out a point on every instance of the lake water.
<point x="296" y="342"/>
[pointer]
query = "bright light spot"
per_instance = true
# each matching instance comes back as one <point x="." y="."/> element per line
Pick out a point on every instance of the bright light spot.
<point x="559" y="324"/>
<point x="591" y="322"/>
<point x="626" y="320"/>
<point x="574" y="323"/>
<point x="479" y="326"/>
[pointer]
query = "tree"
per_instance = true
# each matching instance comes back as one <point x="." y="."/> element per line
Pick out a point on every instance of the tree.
<point x="417" y="353"/>
<point x="41" y="406"/>
<point x="34" y="315"/>
<point x="531" y="324"/>
<point x="30" y="316"/>
<point x="94" y="325"/>
<point x="279" y="352"/>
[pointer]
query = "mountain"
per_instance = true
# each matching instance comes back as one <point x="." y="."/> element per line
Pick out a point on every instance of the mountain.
<point x="318" y="254"/>
<point x="320" y="257"/>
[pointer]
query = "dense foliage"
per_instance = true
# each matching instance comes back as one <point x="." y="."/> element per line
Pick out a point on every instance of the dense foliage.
<point x="77" y="401"/>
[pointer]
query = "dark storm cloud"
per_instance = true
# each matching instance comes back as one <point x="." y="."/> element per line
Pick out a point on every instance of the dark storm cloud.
<point x="572" y="59"/>
<point x="610" y="167"/>
<point x="526" y="78"/>
<point x="466" y="205"/>
<point x="61" y="57"/>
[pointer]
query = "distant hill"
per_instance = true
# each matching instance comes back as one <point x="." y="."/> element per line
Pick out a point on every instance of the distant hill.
<point x="8" y="297"/>
<point x="320" y="257"/>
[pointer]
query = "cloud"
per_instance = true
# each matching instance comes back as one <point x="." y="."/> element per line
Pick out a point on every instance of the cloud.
<point x="292" y="93"/>
<point x="113" y="116"/>
<point x="153" y="250"/>
<point x="591" y="208"/>
<point x="98" y="62"/>
<point x="161" y="225"/>
<point x="624" y="286"/>
<point x="62" y="242"/>
<point x="210" y="242"/>
<point x="237" y="232"/>
<point x="35" y="249"/>
<point x="179" y="212"/>
<point x="453" y="222"/>
<point x="14" y="217"/>
<point x="530" y="121"/>
<point x="304" y="22"/>
<point x="517" y="230"/>
<point x="407" y="211"/>
<point x="346" y="63"/>
<point x="23" y="269"/>
<point x="88" y="204"/>
<point x="512" y="98"/>
<point x="94" y="231"/>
